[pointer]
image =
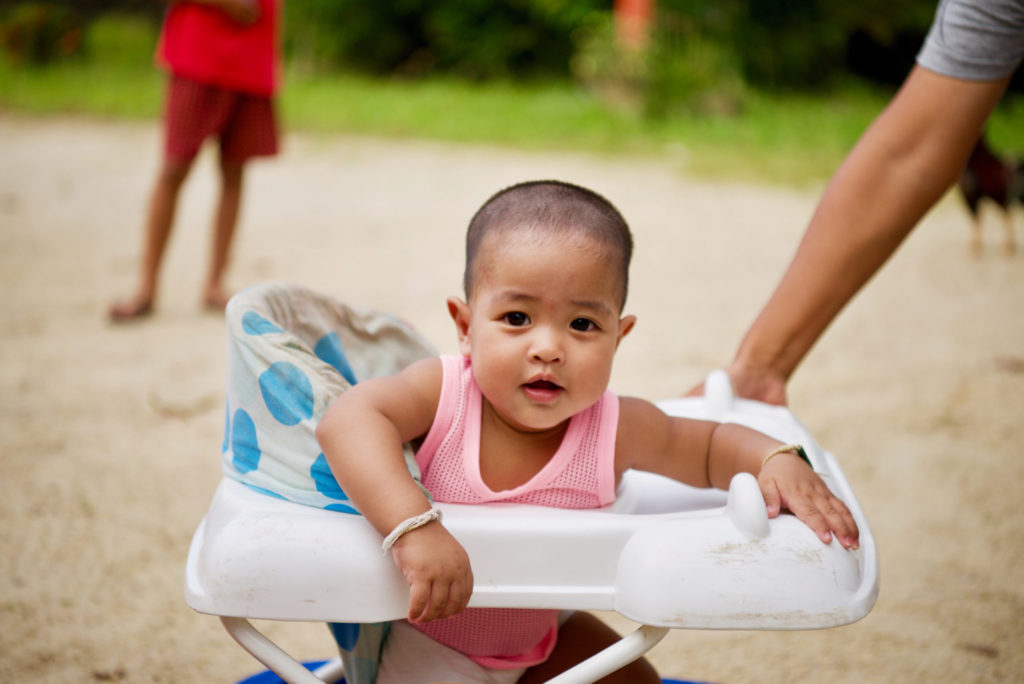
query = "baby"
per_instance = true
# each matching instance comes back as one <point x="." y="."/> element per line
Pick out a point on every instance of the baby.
<point x="524" y="415"/>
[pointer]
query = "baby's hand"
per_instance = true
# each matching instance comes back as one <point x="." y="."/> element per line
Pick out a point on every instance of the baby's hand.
<point x="245" y="12"/>
<point x="437" y="569"/>
<point x="787" y="482"/>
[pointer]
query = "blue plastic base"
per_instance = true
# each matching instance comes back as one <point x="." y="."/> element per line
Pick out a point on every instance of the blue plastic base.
<point x="268" y="677"/>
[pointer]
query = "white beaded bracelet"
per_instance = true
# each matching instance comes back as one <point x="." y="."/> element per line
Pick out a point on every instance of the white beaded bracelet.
<point x="409" y="525"/>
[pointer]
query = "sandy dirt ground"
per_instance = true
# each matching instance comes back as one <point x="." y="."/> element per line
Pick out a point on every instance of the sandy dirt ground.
<point x="109" y="436"/>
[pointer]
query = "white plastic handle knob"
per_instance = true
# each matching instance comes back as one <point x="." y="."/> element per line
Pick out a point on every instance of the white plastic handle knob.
<point x="746" y="507"/>
<point x="719" y="393"/>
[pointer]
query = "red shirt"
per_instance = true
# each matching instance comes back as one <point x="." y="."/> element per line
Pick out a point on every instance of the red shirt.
<point x="206" y="45"/>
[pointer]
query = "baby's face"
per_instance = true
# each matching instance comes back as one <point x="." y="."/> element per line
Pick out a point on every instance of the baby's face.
<point x="542" y="325"/>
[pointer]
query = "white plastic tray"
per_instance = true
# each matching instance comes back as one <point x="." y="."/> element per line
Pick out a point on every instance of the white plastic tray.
<point x="664" y="554"/>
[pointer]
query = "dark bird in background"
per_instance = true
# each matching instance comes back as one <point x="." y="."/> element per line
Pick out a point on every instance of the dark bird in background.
<point x="1000" y="179"/>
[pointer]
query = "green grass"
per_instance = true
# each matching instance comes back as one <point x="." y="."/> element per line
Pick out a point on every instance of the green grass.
<point x="784" y="139"/>
<point x="80" y="88"/>
<point x="781" y="138"/>
<point x="777" y="139"/>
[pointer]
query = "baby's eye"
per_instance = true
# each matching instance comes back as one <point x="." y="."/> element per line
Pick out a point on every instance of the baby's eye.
<point x="583" y="324"/>
<point x="516" y="318"/>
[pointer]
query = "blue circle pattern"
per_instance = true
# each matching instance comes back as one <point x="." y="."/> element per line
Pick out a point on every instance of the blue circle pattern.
<point x="263" y="490"/>
<point x="254" y="324"/>
<point x="325" y="483"/>
<point x="244" y="445"/>
<point x="328" y="348"/>
<point x="324" y="480"/>
<point x="289" y="397"/>
<point x="227" y="428"/>
<point x="287" y="392"/>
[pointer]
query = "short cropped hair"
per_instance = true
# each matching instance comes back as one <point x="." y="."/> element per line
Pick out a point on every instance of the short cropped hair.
<point x="555" y="206"/>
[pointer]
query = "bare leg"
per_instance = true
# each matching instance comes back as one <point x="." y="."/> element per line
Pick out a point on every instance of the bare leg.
<point x="976" y="234"/>
<point x="1011" y="244"/>
<point x="580" y="637"/>
<point x="159" y="221"/>
<point x="215" y="296"/>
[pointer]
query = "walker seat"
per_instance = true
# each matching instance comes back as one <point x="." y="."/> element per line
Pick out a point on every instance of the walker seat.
<point x="664" y="555"/>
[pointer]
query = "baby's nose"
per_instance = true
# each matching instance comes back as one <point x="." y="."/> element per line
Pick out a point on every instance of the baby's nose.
<point x="547" y="347"/>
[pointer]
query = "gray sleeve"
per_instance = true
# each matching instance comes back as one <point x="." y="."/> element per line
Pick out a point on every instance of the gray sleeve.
<point x="978" y="40"/>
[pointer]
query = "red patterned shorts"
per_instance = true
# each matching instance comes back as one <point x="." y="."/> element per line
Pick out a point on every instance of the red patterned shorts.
<point x="245" y="124"/>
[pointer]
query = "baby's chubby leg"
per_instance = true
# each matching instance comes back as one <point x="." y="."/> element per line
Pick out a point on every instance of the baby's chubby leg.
<point x="580" y="637"/>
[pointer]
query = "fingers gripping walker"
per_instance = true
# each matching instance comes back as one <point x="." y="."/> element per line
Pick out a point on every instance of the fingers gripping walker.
<point x="664" y="555"/>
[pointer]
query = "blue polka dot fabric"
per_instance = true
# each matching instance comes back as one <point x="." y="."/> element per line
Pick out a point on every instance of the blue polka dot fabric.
<point x="290" y="352"/>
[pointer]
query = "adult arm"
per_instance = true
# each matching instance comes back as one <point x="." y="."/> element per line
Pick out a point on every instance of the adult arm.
<point x="900" y="167"/>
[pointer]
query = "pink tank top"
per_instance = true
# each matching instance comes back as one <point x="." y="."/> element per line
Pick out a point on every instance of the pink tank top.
<point x="581" y="474"/>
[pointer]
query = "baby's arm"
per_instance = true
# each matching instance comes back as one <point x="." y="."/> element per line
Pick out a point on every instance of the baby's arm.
<point x="709" y="454"/>
<point x="361" y="434"/>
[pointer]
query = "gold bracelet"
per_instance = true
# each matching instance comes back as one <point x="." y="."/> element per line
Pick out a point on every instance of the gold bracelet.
<point x="788" y="448"/>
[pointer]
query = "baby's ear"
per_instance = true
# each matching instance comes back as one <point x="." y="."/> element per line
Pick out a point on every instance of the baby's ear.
<point x="459" y="311"/>
<point x="626" y="324"/>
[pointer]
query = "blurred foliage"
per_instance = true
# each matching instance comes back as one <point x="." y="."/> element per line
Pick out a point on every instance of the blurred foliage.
<point x="697" y="46"/>
<point x="808" y="44"/>
<point x="681" y="69"/>
<point x="474" y="39"/>
<point x="780" y="137"/>
<point x="701" y="56"/>
<point x="37" y="33"/>
<point x="122" y="40"/>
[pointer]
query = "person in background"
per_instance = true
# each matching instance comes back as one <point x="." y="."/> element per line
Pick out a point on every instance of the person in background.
<point x="222" y="62"/>
<point x="902" y="165"/>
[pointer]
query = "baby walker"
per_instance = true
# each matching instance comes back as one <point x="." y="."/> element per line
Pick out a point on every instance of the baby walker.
<point x="280" y="543"/>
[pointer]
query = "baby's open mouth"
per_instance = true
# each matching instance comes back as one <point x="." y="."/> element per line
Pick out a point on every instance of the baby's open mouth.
<point x="543" y="385"/>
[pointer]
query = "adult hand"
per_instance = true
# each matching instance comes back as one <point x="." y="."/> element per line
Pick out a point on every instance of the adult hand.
<point x="760" y="384"/>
